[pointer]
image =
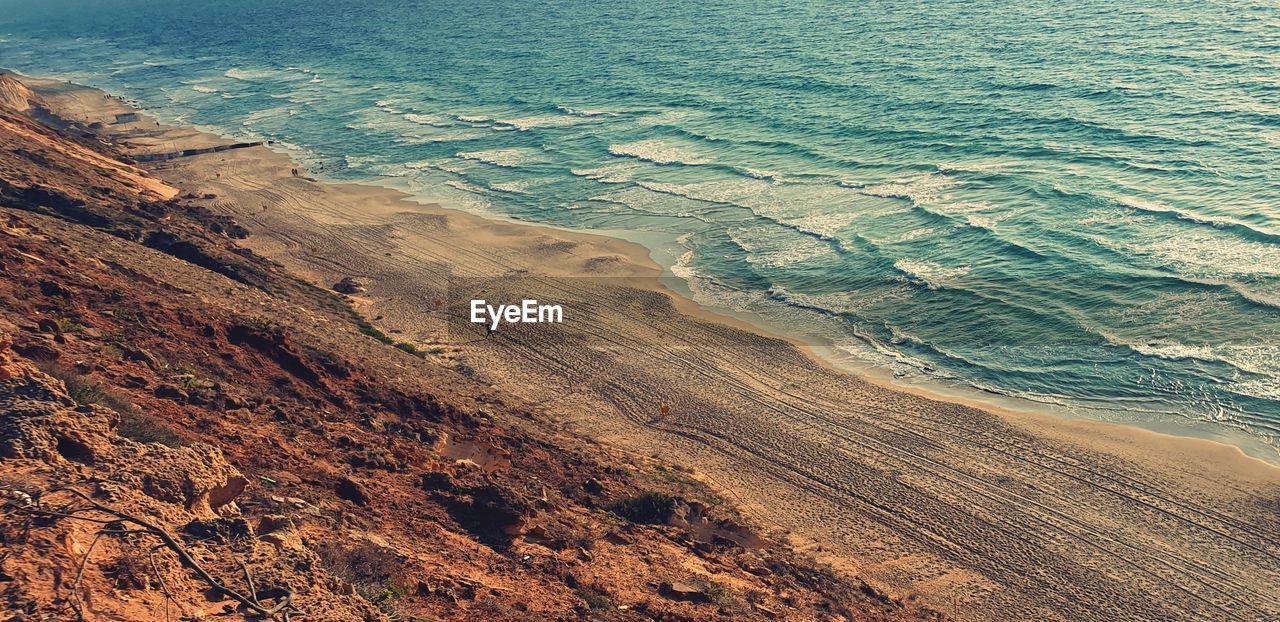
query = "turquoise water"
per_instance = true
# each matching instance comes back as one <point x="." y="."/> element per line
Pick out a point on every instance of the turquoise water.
<point x="1073" y="203"/>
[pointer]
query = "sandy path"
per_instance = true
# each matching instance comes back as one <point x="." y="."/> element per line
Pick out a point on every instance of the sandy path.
<point x="1000" y="516"/>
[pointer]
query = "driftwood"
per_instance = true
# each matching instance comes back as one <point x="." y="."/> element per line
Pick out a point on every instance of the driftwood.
<point x="119" y="524"/>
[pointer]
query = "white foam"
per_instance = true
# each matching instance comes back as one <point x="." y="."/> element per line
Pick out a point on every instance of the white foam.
<point x="774" y="247"/>
<point x="259" y="75"/>
<point x="586" y="113"/>
<point x="917" y="190"/>
<point x="615" y="173"/>
<point x="427" y="119"/>
<point x="502" y="157"/>
<point x="525" y="124"/>
<point x="658" y="152"/>
<point x="931" y="274"/>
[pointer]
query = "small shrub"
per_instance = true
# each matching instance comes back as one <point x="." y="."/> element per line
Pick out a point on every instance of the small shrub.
<point x="140" y="427"/>
<point x="371" y="569"/>
<point x="372" y="331"/>
<point x="650" y="508"/>
<point x="594" y="600"/>
<point x="134" y="424"/>
<point x="82" y="389"/>
<point x="411" y="349"/>
<point x="68" y="325"/>
<point x="263" y="325"/>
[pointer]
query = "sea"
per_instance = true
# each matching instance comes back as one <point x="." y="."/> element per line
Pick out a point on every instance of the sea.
<point x="1072" y="206"/>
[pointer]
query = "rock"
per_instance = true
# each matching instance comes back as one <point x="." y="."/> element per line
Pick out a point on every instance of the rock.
<point x="49" y="326"/>
<point x="593" y="486"/>
<point x="349" y="285"/>
<point x="171" y="392"/>
<point x="280" y="532"/>
<point x="436" y="481"/>
<point x="54" y="288"/>
<point x="134" y="382"/>
<point x="197" y="476"/>
<point x="143" y="356"/>
<point x="37" y="351"/>
<point x="272" y="523"/>
<point x="353" y="491"/>
<point x="284" y="541"/>
<point x="687" y="592"/>
<point x="220" y="530"/>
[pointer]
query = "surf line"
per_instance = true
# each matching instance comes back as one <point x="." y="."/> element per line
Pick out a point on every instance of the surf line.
<point x="527" y="312"/>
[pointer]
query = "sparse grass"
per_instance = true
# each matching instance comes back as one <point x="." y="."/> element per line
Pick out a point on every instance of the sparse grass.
<point x="372" y="331"/>
<point x="371" y="569"/>
<point x="594" y="600"/>
<point x="82" y="389"/>
<point x="674" y="476"/>
<point x="68" y="325"/>
<point x="650" y="508"/>
<point x="134" y="423"/>
<point x="718" y="592"/>
<point x="411" y="349"/>
<point x="263" y="324"/>
<point x="140" y="427"/>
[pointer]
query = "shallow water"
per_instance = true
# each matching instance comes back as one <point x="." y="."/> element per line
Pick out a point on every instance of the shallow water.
<point x="1074" y="203"/>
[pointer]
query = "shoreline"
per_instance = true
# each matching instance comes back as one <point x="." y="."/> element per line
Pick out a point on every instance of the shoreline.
<point x="924" y="386"/>
<point x="373" y="207"/>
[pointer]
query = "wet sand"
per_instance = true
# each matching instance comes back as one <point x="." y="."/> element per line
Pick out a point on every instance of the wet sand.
<point x="990" y="515"/>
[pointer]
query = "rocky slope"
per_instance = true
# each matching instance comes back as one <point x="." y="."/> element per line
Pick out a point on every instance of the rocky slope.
<point x="188" y="432"/>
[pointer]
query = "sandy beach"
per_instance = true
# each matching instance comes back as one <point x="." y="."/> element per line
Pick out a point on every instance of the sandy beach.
<point x="982" y="514"/>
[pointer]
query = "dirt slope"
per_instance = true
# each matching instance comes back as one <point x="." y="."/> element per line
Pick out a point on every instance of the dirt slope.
<point x="189" y="432"/>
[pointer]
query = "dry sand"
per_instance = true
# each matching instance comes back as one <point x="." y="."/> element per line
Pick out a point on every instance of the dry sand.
<point x="990" y="515"/>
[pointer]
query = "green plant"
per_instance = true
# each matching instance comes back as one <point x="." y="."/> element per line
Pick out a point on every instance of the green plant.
<point x="68" y="325"/>
<point x="82" y="389"/>
<point x="134" y="424"/>
<point x="594" y="600"/>
<point x="411" y="349"/>
<point x="650" y="508"/>
<point x="140" y="427"/>
<point x="370" y="330"/>
<point x="718" y="592"/>
<point x="263" y="324"/>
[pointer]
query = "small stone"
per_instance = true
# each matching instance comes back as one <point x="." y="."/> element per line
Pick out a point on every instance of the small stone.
<point x="353" y="491"/>
<point x="688" y="592"/>
<point x="348" y="285"/>
<point x="171" y="392"/>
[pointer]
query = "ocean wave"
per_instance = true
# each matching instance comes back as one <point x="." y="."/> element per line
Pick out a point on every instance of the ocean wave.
<point x="577" y="112"/>
<point x="466" y="187"/>
<point x="534" y="122"/>
<point x="507" y="158"/>
<point x="200" y="88"/>
<point x="762" y="175"/>
<point x="658" y="152"/>
<point x="930" y="274"/>
<point x="1157" y="208"/>
<point x="261" y="75"/>
<point x="917" y="190"/>
<point x="427" y="119"/>
<point x="765" y="248"/>
<point x="617" y="173"/>
<point x="1257" y="360"/>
